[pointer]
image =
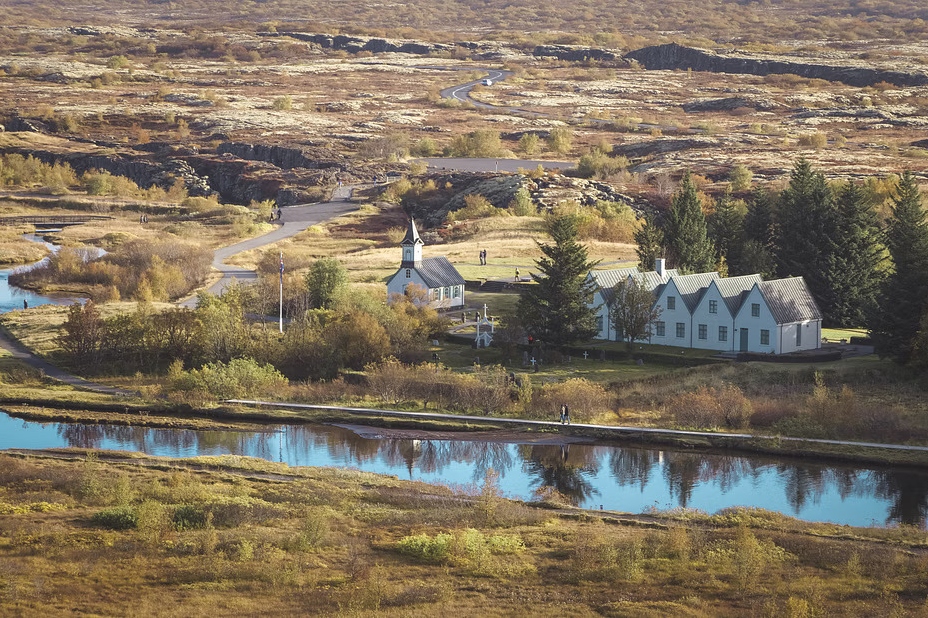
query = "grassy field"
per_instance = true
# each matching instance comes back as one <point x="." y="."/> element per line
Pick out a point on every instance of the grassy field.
<point x="229" y="535"/>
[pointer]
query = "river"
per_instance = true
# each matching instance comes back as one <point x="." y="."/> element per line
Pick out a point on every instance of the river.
<point x="617" y="478"/>
<point x="12" y="297"/>
<point x="622" y="478"/>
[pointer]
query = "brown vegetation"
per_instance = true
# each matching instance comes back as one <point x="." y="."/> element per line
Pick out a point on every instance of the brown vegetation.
<point x="258" y="537"/>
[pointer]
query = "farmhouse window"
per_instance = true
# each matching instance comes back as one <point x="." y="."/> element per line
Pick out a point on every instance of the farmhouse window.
<point x="764" y="336"/>
<point x="713" y="306"/>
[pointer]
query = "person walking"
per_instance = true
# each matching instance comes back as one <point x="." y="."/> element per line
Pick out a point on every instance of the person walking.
<point x="517" y="274"/>
<point x="563" y="407"/>
<point x="484" y="257"/>
<point x="566" y="414"/>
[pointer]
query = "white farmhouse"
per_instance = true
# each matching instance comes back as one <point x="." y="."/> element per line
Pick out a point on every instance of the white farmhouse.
<point x="677" y="299"/>
<point x="778" y="317"/>
<point x="728" y="314"/>
<point x="603" y="294"/>
<point x="436" y="276"/>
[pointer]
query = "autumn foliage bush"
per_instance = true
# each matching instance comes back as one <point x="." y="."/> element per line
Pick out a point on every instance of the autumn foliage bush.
<point x="710" y="407"/>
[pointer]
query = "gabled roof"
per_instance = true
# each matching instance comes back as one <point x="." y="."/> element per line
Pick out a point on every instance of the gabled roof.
<point x="733" y="290"/>
<point x="789" y="300"/>
<point x="412" y="234"/>
<point x="438" y="272"/>
<point x="608" y="279"/>
<point x="651" y="279"/>
<point x="692" y="287"/>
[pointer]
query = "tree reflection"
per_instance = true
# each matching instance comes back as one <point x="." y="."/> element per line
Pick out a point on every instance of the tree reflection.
<point x="908" y="493"/>
<point x="564" y="468"/>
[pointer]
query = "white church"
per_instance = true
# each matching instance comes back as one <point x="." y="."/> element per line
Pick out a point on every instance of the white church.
<point x="710" y="312"/>
<point x="436" y="275"/>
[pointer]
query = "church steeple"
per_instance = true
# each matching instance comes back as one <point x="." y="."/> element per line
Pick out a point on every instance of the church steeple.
<point x="412" y="247"/>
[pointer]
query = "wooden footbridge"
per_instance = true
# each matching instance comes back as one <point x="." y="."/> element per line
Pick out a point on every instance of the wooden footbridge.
<point x="51" y="220"/>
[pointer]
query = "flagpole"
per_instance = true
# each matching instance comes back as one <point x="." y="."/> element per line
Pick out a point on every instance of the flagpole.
<point x="281" y="291"/>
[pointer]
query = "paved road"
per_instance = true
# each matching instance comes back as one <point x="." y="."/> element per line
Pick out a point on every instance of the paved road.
<point x="619" y="430"/>
<point x="293" y="220"/>
<point x="462" y="91"/>
<point x="21" y="353"/>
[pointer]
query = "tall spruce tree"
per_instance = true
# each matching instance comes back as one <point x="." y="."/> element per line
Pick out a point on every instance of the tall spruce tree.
<point x="686" y="232"/>
<point x="857" y="260"/>
<point x="806" y="223"/>
<point x="904" y="298"/>
<point x="557" y="309"/>
<point x="650" y="240"/>
<point x="726" y="229"/>
<point x="757" y="253"/>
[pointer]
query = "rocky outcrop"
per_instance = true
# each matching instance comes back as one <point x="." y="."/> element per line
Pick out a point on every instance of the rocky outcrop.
<point x="673" y="56"/>
<point x="728" y="104"/>
<point x="286" y="158"/>
<point x="661" y="146"/>
<point x="355" y="44"/>
<point x="499" y="190"/>
<point x="573" y="53"/>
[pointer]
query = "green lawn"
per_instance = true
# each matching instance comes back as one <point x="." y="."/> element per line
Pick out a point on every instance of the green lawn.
<point x="837" y="334"/>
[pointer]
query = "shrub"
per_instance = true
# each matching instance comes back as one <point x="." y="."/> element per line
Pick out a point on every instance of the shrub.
<point x="709" y="407"/>
<point x="191" y="517"/>
<point x="560" y="140"/>
<point x="284" y="103"/>
<point x="476" y="207"/>
<point x="528" y="143"/>
<point x="240" y="377"/>
<point x="477" y="144"/>
<point x="599" y="164"/>
<point x="436" y="550"/>
<point x="586" y="399"/>
<point x="816" y="140"/>
<point x="740" y="178"/>
<point x="117" y="518"/>
<point x="522" y="204"/>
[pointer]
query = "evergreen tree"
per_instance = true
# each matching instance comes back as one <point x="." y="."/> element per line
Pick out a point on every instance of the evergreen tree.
<point x="904" y="297"/>
<point x="686" y="234"/>
<point x="557" y="309"/>
<point x="856" y="263"/>
<point x="759" y="221"/>
<point x="726" y="229"/>
<point x="650" y="239"/>
<point x="806" y="224"/>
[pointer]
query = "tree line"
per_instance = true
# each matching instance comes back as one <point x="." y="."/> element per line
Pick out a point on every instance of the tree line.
<point x="336" y="328"/>
<point x="862" y="269"/>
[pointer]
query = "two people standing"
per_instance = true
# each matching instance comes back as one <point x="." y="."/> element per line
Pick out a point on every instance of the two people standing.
<point x="483" y="257"/>
<point x="565" y="414"/>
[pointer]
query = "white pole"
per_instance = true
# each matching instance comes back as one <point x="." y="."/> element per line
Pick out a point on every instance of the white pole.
<point x="281" y="291"/>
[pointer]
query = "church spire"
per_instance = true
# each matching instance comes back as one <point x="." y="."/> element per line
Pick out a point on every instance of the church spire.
<point x="412" y="247"/>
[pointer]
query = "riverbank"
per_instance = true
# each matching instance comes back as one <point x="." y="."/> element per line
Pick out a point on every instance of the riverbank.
<point x="245" y="416"/>
<point x="256" y="537"/>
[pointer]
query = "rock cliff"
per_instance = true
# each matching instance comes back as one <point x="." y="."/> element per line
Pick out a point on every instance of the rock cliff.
<point x="673" y="56"/>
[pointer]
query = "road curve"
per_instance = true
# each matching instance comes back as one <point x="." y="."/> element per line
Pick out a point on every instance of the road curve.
<point x="293" y="220"/>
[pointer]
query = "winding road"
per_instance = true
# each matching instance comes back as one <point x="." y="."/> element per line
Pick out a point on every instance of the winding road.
<point x="293" y="220"/>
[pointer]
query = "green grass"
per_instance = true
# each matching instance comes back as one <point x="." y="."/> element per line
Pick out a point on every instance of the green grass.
<point x="498" y="304"/>
<point x="837" y="334"/>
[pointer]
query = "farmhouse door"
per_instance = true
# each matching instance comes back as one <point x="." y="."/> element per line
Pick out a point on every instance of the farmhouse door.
<point x="744" y="340"/>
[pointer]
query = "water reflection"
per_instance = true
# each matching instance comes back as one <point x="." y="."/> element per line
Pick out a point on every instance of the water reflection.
<point x="622" y="478"/>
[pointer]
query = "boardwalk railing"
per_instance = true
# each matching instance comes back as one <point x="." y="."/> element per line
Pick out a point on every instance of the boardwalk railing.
<point x="52" y="219"/>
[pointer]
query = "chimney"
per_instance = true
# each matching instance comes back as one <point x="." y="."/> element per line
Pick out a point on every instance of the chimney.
<point x="659" y="267"/>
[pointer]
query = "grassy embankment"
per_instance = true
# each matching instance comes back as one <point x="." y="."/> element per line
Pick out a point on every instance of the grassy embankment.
<point x="236" y="535"/>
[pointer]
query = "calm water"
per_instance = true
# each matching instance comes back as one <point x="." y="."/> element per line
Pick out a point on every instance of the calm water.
<point x="12" y="297"/>
<point x="620" y="478"/>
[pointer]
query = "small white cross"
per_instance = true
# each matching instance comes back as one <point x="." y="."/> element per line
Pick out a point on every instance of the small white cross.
<point x="532" y="361"/>
<point x="585" y="355"/>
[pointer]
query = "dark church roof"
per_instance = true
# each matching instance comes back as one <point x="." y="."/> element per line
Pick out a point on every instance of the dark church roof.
<point x="438" y="272"/>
